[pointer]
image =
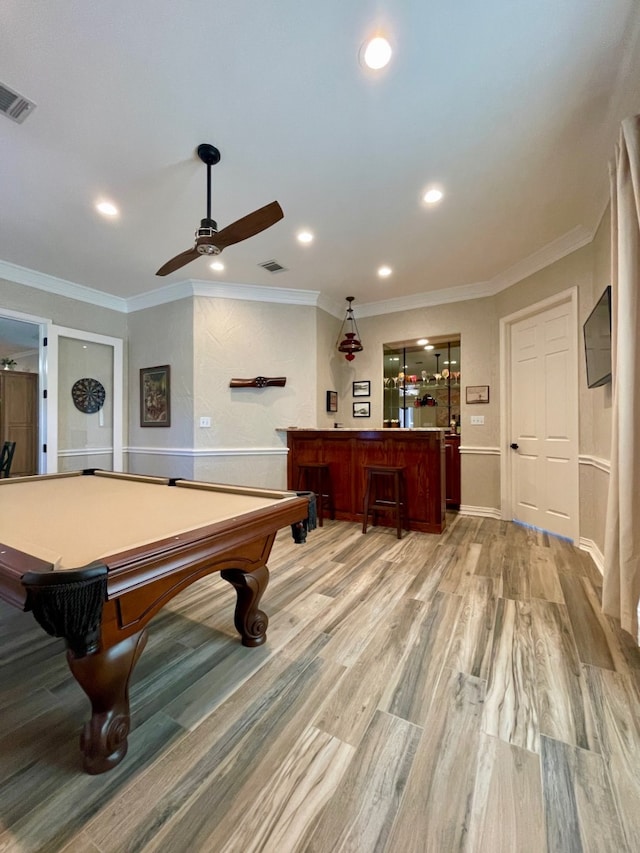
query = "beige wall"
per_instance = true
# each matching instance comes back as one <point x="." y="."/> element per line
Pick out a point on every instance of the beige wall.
<point x="157" y="336"/>
<point x="595" y="410"/>
<point x="328" y="369"/>
<point x="209" y="341"/>
<point x="476" y="323"/>
<point x="62" y="310"/>
<point x="242" y="339"/>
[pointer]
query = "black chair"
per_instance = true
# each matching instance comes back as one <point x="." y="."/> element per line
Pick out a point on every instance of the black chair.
<point x="6" y="458"/>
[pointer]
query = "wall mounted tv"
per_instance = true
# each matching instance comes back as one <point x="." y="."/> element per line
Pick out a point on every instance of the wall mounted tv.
<point x="597" y="342"/>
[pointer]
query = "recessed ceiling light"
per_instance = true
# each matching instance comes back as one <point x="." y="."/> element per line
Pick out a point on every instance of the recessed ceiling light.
<point x="432" y="196"/>
<point x="106" y="208"/>
<point x="422" y="342"/>
<point x="430" y="346"/>
<point x="375" y="53"/>
<point x="304" y="237"/>
<point x="384" y="271"/>
<point x="218" y="266"/>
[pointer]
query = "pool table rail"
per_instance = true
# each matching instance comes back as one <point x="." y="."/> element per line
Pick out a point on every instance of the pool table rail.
<point x="102" y="610"/>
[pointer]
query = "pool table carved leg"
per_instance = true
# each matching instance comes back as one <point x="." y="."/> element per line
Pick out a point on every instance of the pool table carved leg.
<point x="251" y="622"/>
<point x="104" y="677"/>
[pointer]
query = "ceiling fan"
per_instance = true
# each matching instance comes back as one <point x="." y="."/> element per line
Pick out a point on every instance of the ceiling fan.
<point x="210" y="241"/>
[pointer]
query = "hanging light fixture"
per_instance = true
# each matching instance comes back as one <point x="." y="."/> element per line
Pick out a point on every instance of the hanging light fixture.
<point x="350" y="344"/>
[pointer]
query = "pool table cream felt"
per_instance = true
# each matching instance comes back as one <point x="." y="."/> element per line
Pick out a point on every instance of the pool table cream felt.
<point x="72" y="521"/>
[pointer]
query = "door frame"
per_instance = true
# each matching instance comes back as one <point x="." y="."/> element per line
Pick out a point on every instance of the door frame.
<point x="51" y="373"/>
<point x="43" y="324"/>
<point x="570" y="297"/>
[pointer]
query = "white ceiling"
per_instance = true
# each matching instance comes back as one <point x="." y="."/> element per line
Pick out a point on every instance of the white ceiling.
<point x="512" y="107"/>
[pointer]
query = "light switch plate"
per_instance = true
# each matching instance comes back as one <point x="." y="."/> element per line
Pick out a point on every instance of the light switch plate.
<point x="477" y="420"/>
<point x="205" y="422"/>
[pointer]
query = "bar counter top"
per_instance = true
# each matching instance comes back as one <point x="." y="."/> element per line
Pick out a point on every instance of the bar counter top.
<point x="363" y="429"/>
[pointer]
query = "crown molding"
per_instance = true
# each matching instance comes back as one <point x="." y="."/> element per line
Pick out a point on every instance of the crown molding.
<point x="424" y="300"/>
<point x="554" y="251"/>
<point x="61" y="287"/>
<point x="221" y="290"/>
<point x="549" y="254"/>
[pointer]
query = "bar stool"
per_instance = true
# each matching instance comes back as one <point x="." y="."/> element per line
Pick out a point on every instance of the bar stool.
<point x="385" y="493"/>
<point x="316" y="477"/>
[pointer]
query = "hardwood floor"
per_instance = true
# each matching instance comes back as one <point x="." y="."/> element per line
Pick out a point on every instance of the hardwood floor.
<point x="461" y="692"/>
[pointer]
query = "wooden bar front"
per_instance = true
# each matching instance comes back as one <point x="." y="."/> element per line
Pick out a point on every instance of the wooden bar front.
<point x="347" y="451"/>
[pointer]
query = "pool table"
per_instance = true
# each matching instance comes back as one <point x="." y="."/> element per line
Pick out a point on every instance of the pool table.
<point x="95" y="555"/>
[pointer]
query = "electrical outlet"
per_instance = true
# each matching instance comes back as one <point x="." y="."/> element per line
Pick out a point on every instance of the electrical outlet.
<point x="205" y="422"/>
<point x="477" y="420"/>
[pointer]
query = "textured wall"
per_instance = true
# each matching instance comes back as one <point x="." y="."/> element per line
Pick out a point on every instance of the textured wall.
<point x="328" y="368"/>
<point x="242" y="339"/>
<point x="158" y="336"/>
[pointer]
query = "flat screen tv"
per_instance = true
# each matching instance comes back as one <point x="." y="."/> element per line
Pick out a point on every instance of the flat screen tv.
<point x="597" y="342"/>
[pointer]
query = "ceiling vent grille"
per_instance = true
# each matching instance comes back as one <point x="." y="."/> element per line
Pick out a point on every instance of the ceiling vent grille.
<point x="273" y="266"/>
<point x="14" y="106"/>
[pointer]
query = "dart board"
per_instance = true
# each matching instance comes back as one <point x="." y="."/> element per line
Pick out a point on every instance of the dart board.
<point x="88" y="395"/>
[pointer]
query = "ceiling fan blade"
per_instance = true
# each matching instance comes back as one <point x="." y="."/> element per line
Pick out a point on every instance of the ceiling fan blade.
<point x="249" y="225"/>
<point x="179" y="261"/>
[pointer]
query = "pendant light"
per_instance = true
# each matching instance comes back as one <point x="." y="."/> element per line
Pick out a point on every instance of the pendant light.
<point x="350" y="343"/>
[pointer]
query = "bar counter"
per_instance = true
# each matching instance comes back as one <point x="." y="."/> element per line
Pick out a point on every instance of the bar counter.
<point x="348" y="450"/>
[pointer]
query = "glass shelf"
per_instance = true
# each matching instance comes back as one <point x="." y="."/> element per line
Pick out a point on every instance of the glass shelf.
<point x="412" y="395"/>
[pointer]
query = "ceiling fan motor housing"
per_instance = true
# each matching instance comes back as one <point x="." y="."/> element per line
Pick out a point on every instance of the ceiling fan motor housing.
<point x="205" y="233"/>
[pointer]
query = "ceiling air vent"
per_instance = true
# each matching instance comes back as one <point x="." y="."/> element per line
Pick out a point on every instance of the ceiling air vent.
<point x="273" y="266"/>
<point x="13" y="105"/>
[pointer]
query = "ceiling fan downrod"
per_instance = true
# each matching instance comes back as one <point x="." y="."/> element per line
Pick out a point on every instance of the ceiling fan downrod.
<point x="209" y="155"/>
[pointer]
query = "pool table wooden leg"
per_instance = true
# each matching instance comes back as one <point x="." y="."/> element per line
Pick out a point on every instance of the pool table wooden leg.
<point x="251" y="623"/>
<point x="104" y="677"/>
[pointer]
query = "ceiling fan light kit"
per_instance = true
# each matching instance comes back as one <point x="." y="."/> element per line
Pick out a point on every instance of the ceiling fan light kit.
<point x="210" y="241"/>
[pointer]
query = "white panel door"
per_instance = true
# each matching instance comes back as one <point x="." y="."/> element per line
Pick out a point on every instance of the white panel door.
<point x="544" y="420"/>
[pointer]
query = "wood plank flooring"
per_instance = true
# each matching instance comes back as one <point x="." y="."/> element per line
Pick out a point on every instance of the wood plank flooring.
<point x="461" y="692"/>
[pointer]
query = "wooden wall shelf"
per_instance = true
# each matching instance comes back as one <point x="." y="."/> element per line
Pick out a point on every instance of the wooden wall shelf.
<point x="259" y="382"/>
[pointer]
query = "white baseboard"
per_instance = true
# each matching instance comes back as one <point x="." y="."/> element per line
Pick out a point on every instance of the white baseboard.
<point x="591" y="548"/>
<point x="482" y="511"/>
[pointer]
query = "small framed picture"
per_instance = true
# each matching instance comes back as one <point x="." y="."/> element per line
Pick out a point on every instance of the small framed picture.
<point x="332" y="401"/>
<point x="362" y="410"/>
<point x="362" y="388"/>
<point x="155" y="396"/>
<point x="477" y="394"/>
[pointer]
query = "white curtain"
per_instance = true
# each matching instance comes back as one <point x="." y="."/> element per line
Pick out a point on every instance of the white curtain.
<point x="621" y="592"/>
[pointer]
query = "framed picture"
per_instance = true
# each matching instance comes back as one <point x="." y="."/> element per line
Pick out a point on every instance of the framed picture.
<point x="332" y="401"/>
<point x="155" y="396"/>
<point x="362" y="410"/>
<point x="477" y="393"/>
<point x="362" y="389"/>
